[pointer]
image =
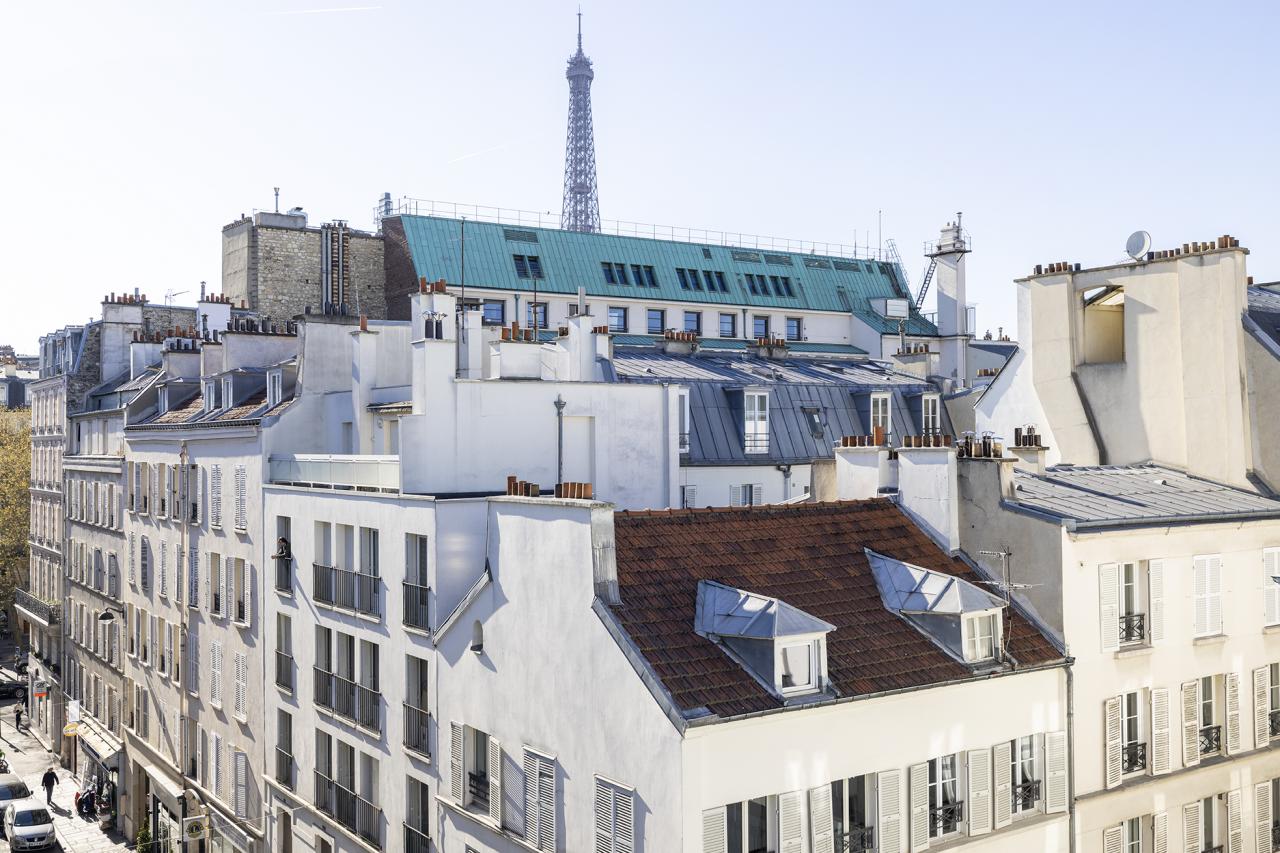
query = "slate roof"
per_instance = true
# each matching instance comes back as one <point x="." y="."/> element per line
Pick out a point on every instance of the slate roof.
<point x="1264" y="309"/>
<point x="839" y="389"/>
<point x="810" y="556"/>
<point x="1110" y="495"/>
<point x="572" y="259"/>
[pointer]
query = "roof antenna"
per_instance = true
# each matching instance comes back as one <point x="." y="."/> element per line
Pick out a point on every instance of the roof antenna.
<point x="579" y="29"/>
<point x="277" y="189"/>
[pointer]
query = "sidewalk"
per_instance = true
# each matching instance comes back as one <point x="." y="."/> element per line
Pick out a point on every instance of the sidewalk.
<point x="28" y="759"/>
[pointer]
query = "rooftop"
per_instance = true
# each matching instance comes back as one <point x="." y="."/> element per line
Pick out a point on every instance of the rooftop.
<point x="1125" y="495"/>
<point x="813" y="558"/>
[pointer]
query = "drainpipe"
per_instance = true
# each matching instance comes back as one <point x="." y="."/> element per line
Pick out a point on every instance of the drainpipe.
<point x="1071" y="753"/>
<point x="559" y="403"/>
<point x="786" y="480"/>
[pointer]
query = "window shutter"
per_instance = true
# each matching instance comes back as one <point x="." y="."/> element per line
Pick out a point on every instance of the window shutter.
<point x="215" y="496"/>
<point x="1231" y="689"/>
<point x="251" y="579"/>
<point x="1215" y="594"/>
<point x="790" y="823"/>
<point x="1002" y="759"/>
<point x="1200" y="587"/>
<point x="241" y="520"/>
<point x="242" y="784"/>
<point x="1235" y="823"/>
<point x="495" y="781"/>
<point x="1161" y="762"/>
<point x="1191" y="827"/>
<point x="1109" y="605"/>
<point x="1262" y="817"/>
<point x="1155" y="597"/>
<point x="979" y="806"/>
<point x="624" y="833"/>
<point x="178" y="578"/>
<point x="1190" y="723"/>
<point x="1261" y="707"/>
<point x="1160" y="832"/>
<point x="241" y="674"/>
<point x="735" y="496"/>
<point x="1270" y="588"/>
<point x="757" y="494"/>
<point x="194" y="581"/>
<point x="208" y="597"/>
<point x="606" y="831"/>
<point x="163" y="581"/>
<point x="455" y="762"/>
<point x="226" y="608"/>
<point x="133" y="549"/>
<point x="918" y="785"/>
<point x="193" y="665"/>
<point x="215" y="673"/>
<point x="714" y="832"/>
<point x="1055" y="765"/>
<point x="531" y="812"/>
<point x="217" y="764"/>
<point x="888" y="810"/>
<point x="820" y="824"/>
<point x="1113" y="839"/>
<point x="1112" y="746"/>
<point x="691" y="500"/>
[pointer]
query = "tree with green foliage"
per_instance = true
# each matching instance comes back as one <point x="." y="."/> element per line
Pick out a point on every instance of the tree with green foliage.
<point x="15" y="504"/>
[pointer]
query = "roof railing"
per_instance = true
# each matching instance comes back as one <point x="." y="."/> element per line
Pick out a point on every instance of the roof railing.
<point x="408" y="206"/>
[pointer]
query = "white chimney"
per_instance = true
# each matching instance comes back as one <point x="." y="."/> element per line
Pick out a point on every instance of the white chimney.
<point x="949" y="253"/>
<point x="928" y="490"/>
<point x="864" y="472"/>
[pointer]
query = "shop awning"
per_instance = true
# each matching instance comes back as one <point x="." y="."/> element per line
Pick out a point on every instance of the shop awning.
<point x="166" y="787"/>
<point x="100" y="744"/>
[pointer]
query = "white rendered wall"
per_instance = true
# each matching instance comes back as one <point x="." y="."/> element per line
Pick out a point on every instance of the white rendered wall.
<point x="714" y="483"/>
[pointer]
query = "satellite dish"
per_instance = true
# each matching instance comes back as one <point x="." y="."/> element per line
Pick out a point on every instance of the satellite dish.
<point x="1138" y="244"/>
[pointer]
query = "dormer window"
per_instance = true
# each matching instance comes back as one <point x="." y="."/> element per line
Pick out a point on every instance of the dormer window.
<point x="275" y="386"/>
<point x="795" y="667"/>
<point x="980" y="637"/>
<point x="164" y="400"/>
<point x="930" y="417"/>
<point x="880" y="415"/>
<point x="227" y="393"/>
<point x="755" y="426"/>
<point x="212" y="399"/>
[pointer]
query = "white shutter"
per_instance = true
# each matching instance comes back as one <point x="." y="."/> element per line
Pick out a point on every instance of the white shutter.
<point x="215" y="496"/>
<point x="133" y="565"/>
<point x="714" y="832"/>
<point x="735" y="496"/>
<point x="241" y="517"/>
<point x="217" y="764"/>
<point x="821" y="828"/>
<point x="1235" y="823"/>
<point x="531" y="812"/>
<point x="215" y="673"/>
<point x="1161" y="747"/>
<point x="1270" y="588"/>
<point x="1190" y="723"/>
<point x="1055" y="765"/>
<point x="163" y="580"/>
<point x="1113" y="839"/>
<point x="691" y="499"/>
<point x="1113" y="742"/>
<point x="194" y="581"/>
<point x="1191" y="827"/>
<point x="242" y="685"/>
<point x="918" y="791"/>
<point x="1262" y="817"/>
<point x="624" y="832"/>
<point x="178" y="577"/>
<point x="757" y="494"/>
<point x="888" y="811"/>
<point x="455" y="762"/>
<point x="1109" y="605"/>
<point x="1002" y="760"/>
<point x="1261" y="707"/>
<point x="1155" y="599"/>
<point x="1160" y="832"/>
<point x="1231" y="689"/>
<point x="208" y="592"/>
<point x="1215" y="594"/>
<point x="193" y="664"/>
<point x="791" y="822"/>
<point x="604" y="818"/>
<point x="495" y="781"/>
<point x="242" y="784"/>
<point x="979" y="806"/>
<point x="1200" y="588"/>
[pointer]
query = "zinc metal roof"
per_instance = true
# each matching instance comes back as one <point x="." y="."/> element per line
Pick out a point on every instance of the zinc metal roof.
<point x="1264" y="310"/>
<point x="1107" y="495"/>
<point x="572" y="259"/>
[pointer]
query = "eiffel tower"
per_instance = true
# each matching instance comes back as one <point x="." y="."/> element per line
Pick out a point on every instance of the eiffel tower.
<point x="581" y="208"/>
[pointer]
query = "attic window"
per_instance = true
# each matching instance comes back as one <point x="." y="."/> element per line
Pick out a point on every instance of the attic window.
<point x="275" y="387"/>
<point x="796" y="668"/>
<point x="164" y="400"/>
<point x="813" y="417"/>
<point x="1103" y="325"/>
<point x="228" y="394"/>
<point x="212" y="399"/>
<point x="980" y="637"/>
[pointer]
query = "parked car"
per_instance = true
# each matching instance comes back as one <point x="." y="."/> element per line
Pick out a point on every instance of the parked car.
<point x="12" y="790"/>
<point x="13" y="687"/>
<point x="29" y="826"/>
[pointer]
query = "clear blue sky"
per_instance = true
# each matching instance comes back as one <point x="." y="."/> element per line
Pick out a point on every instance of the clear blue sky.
<point x="134" y="130"/>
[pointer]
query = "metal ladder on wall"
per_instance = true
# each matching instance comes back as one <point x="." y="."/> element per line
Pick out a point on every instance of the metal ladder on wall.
<point x="924" y="284"/>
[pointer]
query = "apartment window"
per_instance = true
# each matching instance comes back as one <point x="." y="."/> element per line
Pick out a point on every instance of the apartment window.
<point x="693" y="322"/>
<point x="798" y="668"/>
<point x="212" y="396"/>
<point x="781" y="285"/>
<point x="193" y="494"/>
<point x="946" y="810"/>
<point x="494" y="312"/>
<point x="540" y="800"/>
<point x="1271" y="585"/>
<point x="284" y="748"/>
<point x="216" y="585"/>
<point x="1210" y="727"/>
<point x="688" y="497"/>
<point x="852" y="811"/>
<point x="536" y="315"/>
<point x="614" y="817"/>
<point x="656" y="321"/>
<point x="795" y="329"/>
<point x="240" y="588"/>
<point x="417" y="819"/>
<point x="1207" y="585"/>
<point x="751" y="826"/>
<point x="880" y="414"/>
<point x="275" y="383"/>
<point x="1208" y="824"/>
<point x="614" y="273"/>
<point x="757" y="285"/>
<point x="228" y="393"/>
<point x="1132" y="835"/>
<point x="682" y="413"/>
<point x="1103" y="331"/>
<point x="477" y="794"/>
<point x="1133" y="751"/>
<point x="756" y="422"/>
<point x="527" y="266"/>
<point x="683" y="278"/>
<point x="980" y="637"/>
<point x="728" y="325"/>
<point x="759" y="326"/>
<point x="1023" y="774"/>
<point x="650" y="278"/>
<point x="747" y="494"/>
<point x="720" y="282"/>
<point x="1273" y="703"/>
<point x="930" y="414"/>
<point x="617" y="319"/>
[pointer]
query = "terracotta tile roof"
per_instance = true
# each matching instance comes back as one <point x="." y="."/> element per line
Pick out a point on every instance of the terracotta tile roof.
<point x="245" y="409"/>
<point x="808" y="555"/>
<point x="188" y="411"/>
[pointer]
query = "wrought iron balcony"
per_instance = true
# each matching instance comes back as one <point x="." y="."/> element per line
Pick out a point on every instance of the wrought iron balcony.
<point x="346" y="590"/>
<point x="44" y="612"/>
<point x="416" y="612"/>
<point x="284" y="573"/>
<point x="349" y="809"/>
<point x="284" y="768"/>
<point x="478" y="788"/>
<point x="1273" y="723"/>
<point x="284" y="670"/>
<point x="416" y="841"/>
<point x="1210" y="740"/>
<point x="344" y="697"/>
<point x="416" y="732"/>
<point x="1133" y="757"/>
<point x="1133" y="628"/>
<point x="1025" y="795"/>
<point x="857" y="840"/>
<point x="946" y="818"/>
<point x="755" y="443"/>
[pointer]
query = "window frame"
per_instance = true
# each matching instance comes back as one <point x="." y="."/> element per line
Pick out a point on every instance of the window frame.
<point x="733" y="324"/>
<point x="798" y="323"/>
<point x="613" y="327"/>
<point x="937" y="788"/>
<point x="931" y="414"/>
<point x="990" y="618"/>
<point x="486" y="318"/>
<point x="757" y="320"/>
<point x="660" y="314"/>
<point x="696" y="317"/>
<point x="755" y="421"/>
<point x="884" y="419"/>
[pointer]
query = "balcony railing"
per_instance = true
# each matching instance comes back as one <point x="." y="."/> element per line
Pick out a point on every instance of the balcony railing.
<point x="1133" y="628"/>
<point x="755" y="443"/>
<point x="1217" y="848"/>
<point x="1273" y="723"/>
<point x="346" y="590"/>
<point x="348" y="699"/>
<point x="349" y="809"/>
<point x="416" y="841"/>
<point x="857" y="840"/>
<point x="45" y="612"/>
<point x="416" y="611"/>
<point x="284" y="768"/>
<point x="1025" y="795"/>
<point x="1133" y="757"/>
<point x="284" y="670"/>
<point x="1275" y="836"/>
<point x="284" y="573"/>
<point x="1210" y="740"/>
<point x="478" y="788"/>
<point x="946" y="819"/>
<point x="416" y="732"/>
<point x="345" y="472"/>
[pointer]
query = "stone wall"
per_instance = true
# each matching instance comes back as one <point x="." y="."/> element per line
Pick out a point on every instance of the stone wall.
<point x="401" y="276"/>
<point x="239" y="261"/>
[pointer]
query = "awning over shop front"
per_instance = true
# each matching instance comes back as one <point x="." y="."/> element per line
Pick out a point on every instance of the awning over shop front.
<point x="166" y="788"/>
<point x="100" y="744"/>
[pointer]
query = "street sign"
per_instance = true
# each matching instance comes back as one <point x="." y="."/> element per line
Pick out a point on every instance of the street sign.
<point x="194" y="828"/>
<point x="70" y="729"/>
<point x="42" y="690"/>
<point x="73" y="711"/>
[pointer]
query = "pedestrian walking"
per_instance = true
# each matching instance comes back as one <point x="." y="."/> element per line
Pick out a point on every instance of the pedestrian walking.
<point x="48" y="780"/>
<point x="17" y="717"/>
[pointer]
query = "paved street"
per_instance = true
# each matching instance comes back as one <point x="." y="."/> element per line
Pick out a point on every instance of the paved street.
<point x="29" y="759"/>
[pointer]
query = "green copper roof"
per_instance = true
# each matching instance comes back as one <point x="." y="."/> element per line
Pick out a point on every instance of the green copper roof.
<point x="571" y="259"/>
